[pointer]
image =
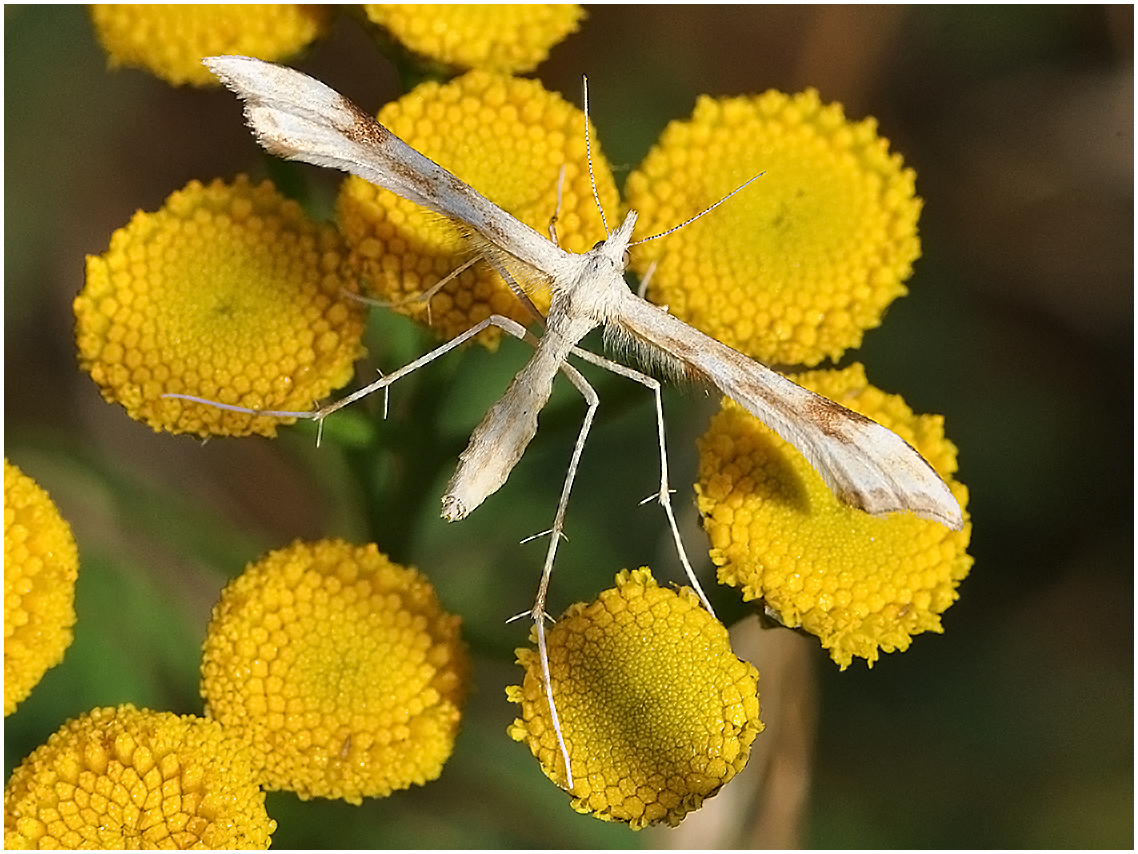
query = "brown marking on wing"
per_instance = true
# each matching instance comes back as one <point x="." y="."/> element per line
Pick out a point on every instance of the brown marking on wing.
<point x="880" y="475"/>
<point x="366" y="131"/>
<point x="832" y="418"/>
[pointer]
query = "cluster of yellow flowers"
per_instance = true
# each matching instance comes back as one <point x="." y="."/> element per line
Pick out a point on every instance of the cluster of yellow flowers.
<point x="327" y="671"/>
<point x="171" y="41"/>
<point x="331" y="672"/>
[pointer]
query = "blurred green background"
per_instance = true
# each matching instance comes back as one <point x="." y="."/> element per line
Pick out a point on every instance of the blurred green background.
<point x="1013" y="729"/>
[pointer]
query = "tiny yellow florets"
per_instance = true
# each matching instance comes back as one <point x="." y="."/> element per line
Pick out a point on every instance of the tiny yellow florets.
<point x="507" y="38"/>
<point x="509" y="139"/>
<point x="657" y="712"/>
<point x="229" y="293"/>
<point x="860" y="583"/>
<point x="170" y="41"/>
<point x="799" y="264"/>
<point x="41" y="564"/>
<point x="129" y="778"/>
<point x="339" y="668"/>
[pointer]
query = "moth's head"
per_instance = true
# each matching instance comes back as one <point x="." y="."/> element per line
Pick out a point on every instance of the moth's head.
<point x="615" y="248"/>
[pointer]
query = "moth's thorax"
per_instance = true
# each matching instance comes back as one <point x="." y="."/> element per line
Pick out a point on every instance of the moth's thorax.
<point x="592" y="284"/>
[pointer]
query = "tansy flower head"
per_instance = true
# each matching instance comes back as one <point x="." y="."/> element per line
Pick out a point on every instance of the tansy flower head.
<point x="799" y="264"/>
<point x="859" y="582"/>
<point x="656" y="710"/>
<point x="41" y="564"/>
<point x="171" y="40"/>
<point x="339" y="668"/>
<point x="229" y="293"/>
<point x="511" y="39"/>
<point x="129" y="778"/>
<point x="509" y="139"/>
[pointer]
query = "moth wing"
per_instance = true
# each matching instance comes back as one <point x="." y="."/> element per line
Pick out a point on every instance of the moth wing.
<point x="863" y="463"/>
<point x="299" y="118"/>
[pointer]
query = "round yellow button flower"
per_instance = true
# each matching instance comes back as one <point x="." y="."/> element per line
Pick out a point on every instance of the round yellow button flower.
<point x="339" y="668"/>
<point x="41" y="564"/>
<point x="509" y="139"/>
<point x="656" y="710"/>
<point x="229" y="293"/>
<point x="507" y="38"/>
<point x="799" y="264"/>
<point x="130" y="778"/>
<point x="858" y="582"/>
<point x="170" y="41"/>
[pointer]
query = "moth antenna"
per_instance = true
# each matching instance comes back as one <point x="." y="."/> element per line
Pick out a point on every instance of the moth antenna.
<point x="589" y="153"/>
<point x="698" y="215"/>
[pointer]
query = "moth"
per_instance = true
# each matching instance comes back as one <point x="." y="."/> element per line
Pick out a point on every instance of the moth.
<point x="863" y="463"/>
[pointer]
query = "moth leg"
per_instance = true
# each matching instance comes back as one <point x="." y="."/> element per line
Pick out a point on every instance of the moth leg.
<point x="507" y="325"/>
<point x="557" y="210"/>
<point x="555" y="535"/>
<point x="425" y="296"/>
<point x="664" y="495"/>
<point x="319" y="414"/>
<point x="642" y="290"/>
<point x="557" y="531"/>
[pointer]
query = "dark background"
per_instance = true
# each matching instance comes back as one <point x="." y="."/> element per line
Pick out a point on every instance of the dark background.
<point x="1013" y="729"/>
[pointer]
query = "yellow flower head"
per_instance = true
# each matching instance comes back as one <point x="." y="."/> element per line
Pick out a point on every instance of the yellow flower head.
<point x="129" y="778"/>
<point x="339" y="668"/>
<point x="171" y="40"/>
<point x="799" y="264"/>
<point x="656" y="710"/>
<point x="511" y="39"/>
<point x="41" y="564"/>
<point x="229" y="293"/>
<point x="509" y="139"/>
<point x="860" y="583"/>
